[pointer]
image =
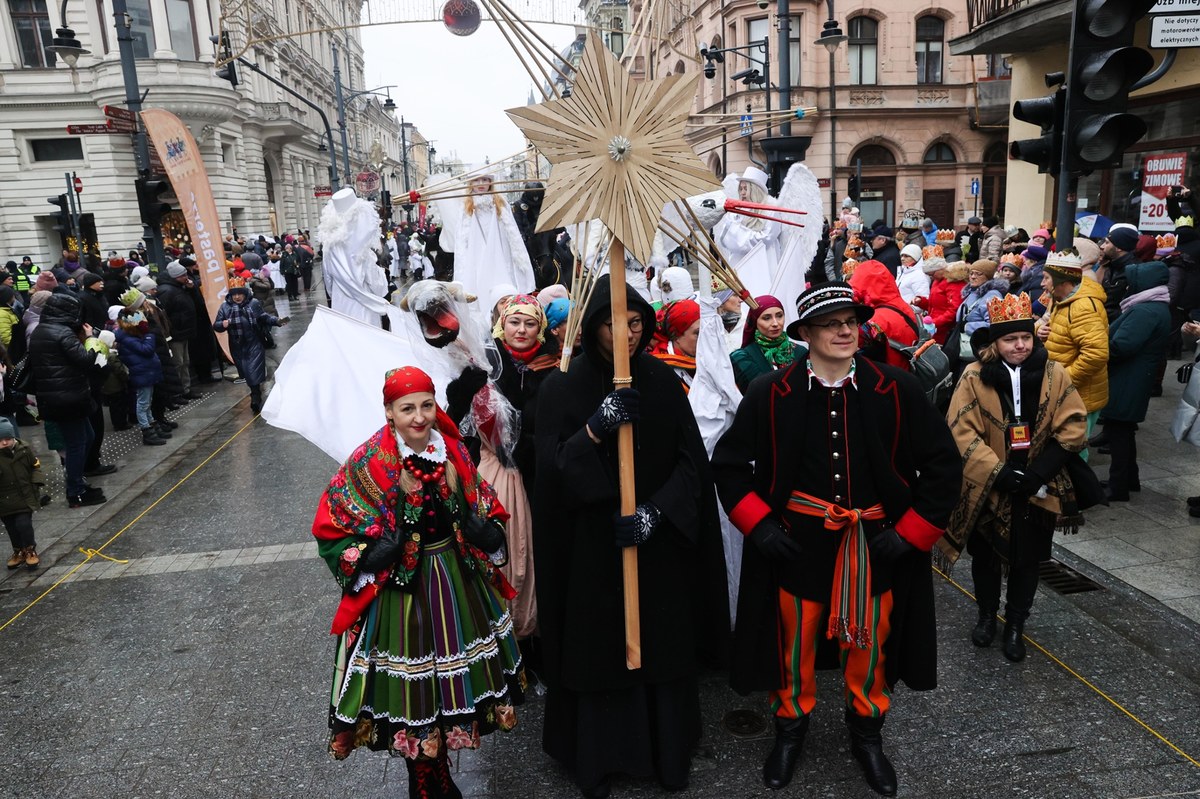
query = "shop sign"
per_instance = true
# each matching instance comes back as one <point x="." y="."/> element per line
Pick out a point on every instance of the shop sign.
<point x="1175" y="6"/>
<point x="1175" y="30"/>
<point x="1160" y="171"/>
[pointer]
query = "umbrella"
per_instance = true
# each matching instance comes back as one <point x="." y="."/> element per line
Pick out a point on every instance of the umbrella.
<point x="1092" y="226"/>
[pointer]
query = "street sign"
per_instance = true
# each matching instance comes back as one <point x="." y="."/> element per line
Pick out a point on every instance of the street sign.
<point x="116" y="112"/>
<point x="1175" y="6"/>
<point x="85" y="130"/>
<point x="78" y="184"/>
<point x="366" y="182"/>
<point x="322" y="191"/>
<point x="974" y="187"/>
<point x="747" y="125"/>
<point x="823" y="183"/>
<point x="120" y="126"/>
<point x="1175" y="30"/>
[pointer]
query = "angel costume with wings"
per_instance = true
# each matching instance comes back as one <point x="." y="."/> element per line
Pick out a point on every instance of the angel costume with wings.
<point x="484" y="237"/>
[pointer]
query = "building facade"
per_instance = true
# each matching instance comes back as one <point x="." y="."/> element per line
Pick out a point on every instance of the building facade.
<point x="895" y="110"/>
<point x="267" y="153"/>
<point x="1032" y="37"/>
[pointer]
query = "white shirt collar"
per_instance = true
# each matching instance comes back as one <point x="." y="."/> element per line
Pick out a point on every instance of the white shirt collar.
<point x="434" y="451"/>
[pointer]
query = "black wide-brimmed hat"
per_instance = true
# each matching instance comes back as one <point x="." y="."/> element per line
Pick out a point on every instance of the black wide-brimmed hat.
<point x="826" y="298"/>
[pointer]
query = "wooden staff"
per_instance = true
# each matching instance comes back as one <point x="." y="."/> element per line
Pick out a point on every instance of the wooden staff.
<point x="622" y="379"/>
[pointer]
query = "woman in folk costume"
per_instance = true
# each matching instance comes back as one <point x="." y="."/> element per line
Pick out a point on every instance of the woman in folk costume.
<point x="508" y="466"/>
<point x="1017" y="420"/>
<point x="765" y="345"/>
<point x="486" y="241"/>
<point x="426" y="661"/>
<point x="737" y="235"/>
<point x="679" y="329"/>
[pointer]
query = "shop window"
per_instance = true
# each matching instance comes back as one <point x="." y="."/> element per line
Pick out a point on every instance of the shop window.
<point x="105" y="20"/>
<point x="939" y="153"/>
<point x="67" y="149"/>
<point x="930" y="33"/>
<point x="998" y="66"/>
<point x="874" y="155"/>
<point x="864" y="51"/>
<point x="32" y="25"/>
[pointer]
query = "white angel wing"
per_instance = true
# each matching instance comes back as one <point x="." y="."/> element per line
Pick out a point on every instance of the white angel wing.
<point x="801" y="192"/>
<point x="450" y="210"/>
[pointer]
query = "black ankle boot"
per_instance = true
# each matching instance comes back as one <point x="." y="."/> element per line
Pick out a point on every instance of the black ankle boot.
<point x="445" y="783"/>
<point x="1013" y="644"/>
<point x="789" y="744"/>
<point x="985" y="629"/>
<point x="422" y="779"/>
<point x="866" y="744"/>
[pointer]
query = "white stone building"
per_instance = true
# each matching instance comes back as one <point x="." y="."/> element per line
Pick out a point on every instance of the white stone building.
<point x="265" y="150"/>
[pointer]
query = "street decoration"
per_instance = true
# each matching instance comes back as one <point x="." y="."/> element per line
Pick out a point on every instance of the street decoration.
<point x="461" y="17"/>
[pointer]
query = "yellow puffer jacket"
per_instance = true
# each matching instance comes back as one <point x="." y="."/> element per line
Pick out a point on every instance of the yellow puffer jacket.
<point x="1079" y="341"/>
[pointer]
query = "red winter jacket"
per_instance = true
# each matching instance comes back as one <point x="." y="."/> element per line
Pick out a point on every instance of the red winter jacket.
<point x="877" y="288"/>
<point x="944" y="298"/>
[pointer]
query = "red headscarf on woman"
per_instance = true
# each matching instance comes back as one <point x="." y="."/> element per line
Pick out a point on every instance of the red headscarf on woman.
<point x="407" y="380"/>
<point x="764" y="302"/>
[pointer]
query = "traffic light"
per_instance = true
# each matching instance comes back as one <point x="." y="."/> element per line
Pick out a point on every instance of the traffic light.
<point x="385" y="205"/>
<point x="62" y="219"/>
<point x="1045" y="152"/>
<point x="852" y="188"/>
<point x="88" y="240"/>
<point x="1103" y="68"/>
<point x="150" y="205"/>
<point x="228" y="69"/>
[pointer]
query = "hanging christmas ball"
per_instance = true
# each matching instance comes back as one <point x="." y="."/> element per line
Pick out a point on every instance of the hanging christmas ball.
<point x="461" y="17"/>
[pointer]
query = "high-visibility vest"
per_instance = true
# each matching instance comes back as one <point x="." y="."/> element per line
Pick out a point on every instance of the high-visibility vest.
<point x="22" y="280"/>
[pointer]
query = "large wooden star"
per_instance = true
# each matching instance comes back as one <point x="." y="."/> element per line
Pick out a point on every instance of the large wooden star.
<point x="617" y="149"/>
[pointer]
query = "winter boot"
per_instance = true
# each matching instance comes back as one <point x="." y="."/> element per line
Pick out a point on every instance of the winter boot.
<point x="256" y="399"/>
<point x="866" y="744"/>
<point x="32" y="560"/>
<point x="789" y="744"/>
<point x="162" y="431"/>
<point x="422" y="779"/>
<point x="150" y="437"/>
<point x="1013" y="642"/>
<point x="18" y="557"/>
<point x="445" y="783"/>
<point x="985" y="629"/>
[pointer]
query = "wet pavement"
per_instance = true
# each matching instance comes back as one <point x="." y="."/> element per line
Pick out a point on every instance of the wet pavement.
<point x="196" y="662"/>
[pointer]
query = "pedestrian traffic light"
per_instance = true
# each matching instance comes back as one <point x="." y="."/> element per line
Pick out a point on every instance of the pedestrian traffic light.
<point x="62" y="218"/>
<point x="150" y="205"/>
<point x="1044" y="152"/>
<point x="385" y="205"/>
<point x="228" y="69"/>
<point x="852" y="188"/>
<point x="1103" y="68"/>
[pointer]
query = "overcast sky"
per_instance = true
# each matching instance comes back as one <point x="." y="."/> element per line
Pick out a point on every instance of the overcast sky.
<point x="455" y="88"/>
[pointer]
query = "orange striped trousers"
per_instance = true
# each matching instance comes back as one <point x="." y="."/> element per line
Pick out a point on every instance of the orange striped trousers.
<point x="804" y="622"/>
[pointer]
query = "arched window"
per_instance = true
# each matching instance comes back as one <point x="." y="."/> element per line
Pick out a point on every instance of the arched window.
<point x="874" y="155"/>
<point x="864" y="51"/>
<point x="930" y="32"/>
<point x="939" y="153"/>
<point x="679" y="67"/>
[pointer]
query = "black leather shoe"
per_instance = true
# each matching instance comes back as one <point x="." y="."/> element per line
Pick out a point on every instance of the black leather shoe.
<point x="789" y="745"/>
<point x="103" y="468"/>
<point x="1134" y="486"/>
<point x="1014" y="640"/>
<point x="866" y="744"/>
<point x="1193" y="502"/>
<point x="985" y="629"/>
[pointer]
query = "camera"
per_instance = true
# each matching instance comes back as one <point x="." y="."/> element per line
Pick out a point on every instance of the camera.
<point x="710" y="70"/>
<point x="764" y="4"/>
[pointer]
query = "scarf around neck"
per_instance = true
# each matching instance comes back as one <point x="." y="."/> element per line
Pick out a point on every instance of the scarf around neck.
<point x="777" y="351"/>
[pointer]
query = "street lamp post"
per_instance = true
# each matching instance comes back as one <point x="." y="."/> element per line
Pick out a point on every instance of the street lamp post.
<point x="714" y="55"/>
<point x="831" y="39"/>
<point x="404" y="158"/>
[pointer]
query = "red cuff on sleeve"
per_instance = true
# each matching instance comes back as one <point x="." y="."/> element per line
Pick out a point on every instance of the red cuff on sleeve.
<point x="749" y="512"/>
<point x="917" y="531"/>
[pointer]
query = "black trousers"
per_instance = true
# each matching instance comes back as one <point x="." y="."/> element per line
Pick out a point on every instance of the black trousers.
<point x="97" y="420"/>
<point x="1123" y="471"/>
<point x="1022" y="583"/>
<point x="20" y="529"/>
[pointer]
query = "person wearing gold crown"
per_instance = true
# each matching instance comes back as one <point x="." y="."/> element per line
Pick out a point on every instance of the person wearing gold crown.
<point x="1017" y="420"/>
<point x="426" y="659"/>
<point x="243" y="317"/>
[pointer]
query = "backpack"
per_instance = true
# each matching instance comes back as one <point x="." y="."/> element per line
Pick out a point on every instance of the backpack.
<point x="926" y="360"/>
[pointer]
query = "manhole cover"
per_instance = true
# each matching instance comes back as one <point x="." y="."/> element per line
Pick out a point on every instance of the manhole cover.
<point x="1064" y="579"/>
<point x="745" y="723"/>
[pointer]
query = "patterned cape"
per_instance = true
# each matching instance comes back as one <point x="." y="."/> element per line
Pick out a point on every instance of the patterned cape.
<point x="361" y="505"/>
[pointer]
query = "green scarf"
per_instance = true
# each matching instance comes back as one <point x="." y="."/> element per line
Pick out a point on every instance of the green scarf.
<point x="778" y="351"/>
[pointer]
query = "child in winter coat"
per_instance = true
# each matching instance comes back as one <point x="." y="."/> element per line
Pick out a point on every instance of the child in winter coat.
<point x="21" y="484"/>
<point x="139" y="353"/>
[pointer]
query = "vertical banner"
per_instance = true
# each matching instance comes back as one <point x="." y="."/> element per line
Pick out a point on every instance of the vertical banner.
<point x="184" y="167"/>
<point x="1160" y="172"/>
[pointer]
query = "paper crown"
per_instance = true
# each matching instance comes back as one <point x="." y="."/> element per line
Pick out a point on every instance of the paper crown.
<point x="131" y="299"/>
<point x="237" y="283"/>
<point x="1014" y="258"/>
<point x="848" y="267"/>
<point x="1065" y="263"/>
<point x="854" y="243"/>
<point x="1185" y="221"/>
<point x="944" y="235"/>
<point x="932" y="251"/>
<point x="1010" y="308"/>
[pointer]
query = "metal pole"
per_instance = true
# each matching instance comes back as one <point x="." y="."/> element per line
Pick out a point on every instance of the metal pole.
<point x="785" y="64"/>
<point x="333" y="170"/>
<point x="151" y="234"/>
<point x="833" y="158"/>
<point x="404" y="157"/>
<point x="337" y="82"/>
<point x="766" y="50"/>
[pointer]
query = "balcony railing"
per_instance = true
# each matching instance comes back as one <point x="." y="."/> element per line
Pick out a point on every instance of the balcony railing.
<point x="981" y="12"/>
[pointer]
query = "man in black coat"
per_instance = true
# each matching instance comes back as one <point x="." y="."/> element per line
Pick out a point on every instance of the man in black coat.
<point x="601" y="717"/>
<point x="883" y="245"/>
<point x="92" y="300"/>
<point x="94" y="307"/>
<point x="175" y="299"/>
<point x="1117" y="248"/>
<point x="843" y="476"/>
<point x="62" y="368"/>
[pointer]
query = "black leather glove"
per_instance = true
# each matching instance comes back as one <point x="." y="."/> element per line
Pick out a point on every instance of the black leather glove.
<point x="485" y="534"/>
<point x="636" y="529"/>
<point x="381" y="554"/>
<point x="773" y="541"/>
<point x="618" y="407"/>
<point x="1029" y="484"/>
<point x="890" y="545"/>
<point x="462" y="389"/>
<point x="1008" y="481"/>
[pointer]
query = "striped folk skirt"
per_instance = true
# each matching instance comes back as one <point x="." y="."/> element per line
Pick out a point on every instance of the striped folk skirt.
<point x="429" y="669"/>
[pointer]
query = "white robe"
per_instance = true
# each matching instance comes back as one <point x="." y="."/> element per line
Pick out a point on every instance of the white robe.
<point x="353" y="278"/>
<point x="485" y="252"/>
